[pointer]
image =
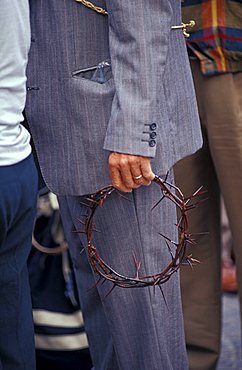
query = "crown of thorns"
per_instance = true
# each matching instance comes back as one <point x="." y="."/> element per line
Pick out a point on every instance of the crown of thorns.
<point x="178" y="257"/>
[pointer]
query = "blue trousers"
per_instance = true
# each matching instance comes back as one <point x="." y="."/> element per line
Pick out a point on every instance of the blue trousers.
<point x="18" y="192"/>
<point x="128" y="329"/>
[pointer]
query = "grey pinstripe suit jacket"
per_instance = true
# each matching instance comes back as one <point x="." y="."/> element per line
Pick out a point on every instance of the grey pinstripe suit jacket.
<point x="146" y="107"/>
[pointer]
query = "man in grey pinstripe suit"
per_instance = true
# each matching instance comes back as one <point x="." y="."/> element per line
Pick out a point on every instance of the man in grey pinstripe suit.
<point x="110" y="99"/>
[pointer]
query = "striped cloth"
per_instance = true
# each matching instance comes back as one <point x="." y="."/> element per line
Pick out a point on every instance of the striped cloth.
<point x="216" y="39"/>
<point x="60" y="338"/>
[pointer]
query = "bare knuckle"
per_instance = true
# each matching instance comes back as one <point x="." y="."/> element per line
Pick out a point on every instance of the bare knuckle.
<point x="112" y="162"/>
<point x="128" y="184"/>
<point x="147" y="174"/>
<point x="123" y="161"/>
<point x="134" y="161"/>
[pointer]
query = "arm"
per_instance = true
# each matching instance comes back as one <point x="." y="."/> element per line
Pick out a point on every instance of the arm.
<point x="139" y="31"/>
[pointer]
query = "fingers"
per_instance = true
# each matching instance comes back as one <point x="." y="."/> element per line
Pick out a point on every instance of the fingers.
<point x="120" y="173"/>
<point x="124" y="168"/>
<point x="146" y="169"/>
<point x="137" y="174"/>
<point x="117" y="181"/>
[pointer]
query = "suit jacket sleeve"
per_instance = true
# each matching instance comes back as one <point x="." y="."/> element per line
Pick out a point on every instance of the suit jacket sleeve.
<point x="138" y="32"/>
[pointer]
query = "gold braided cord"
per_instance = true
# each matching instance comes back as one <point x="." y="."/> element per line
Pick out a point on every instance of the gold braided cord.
<point x="90" y="5"/>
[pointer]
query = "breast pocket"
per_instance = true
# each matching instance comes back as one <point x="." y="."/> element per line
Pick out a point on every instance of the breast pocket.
<point x="92" y="96"/>
<point x="100" y="73"/>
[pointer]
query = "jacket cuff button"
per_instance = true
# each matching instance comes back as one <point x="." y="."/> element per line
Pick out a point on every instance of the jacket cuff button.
<point x="153" y="126"/>
<point x="153" y="135"/>
<point x="152" y="143"/>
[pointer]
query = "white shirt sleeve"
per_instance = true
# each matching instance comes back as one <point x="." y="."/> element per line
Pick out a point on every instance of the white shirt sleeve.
<point x="14" y="48"/>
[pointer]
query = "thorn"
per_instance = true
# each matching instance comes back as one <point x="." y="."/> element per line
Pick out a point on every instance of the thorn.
<point x="92" y="201"/>
<point x="104" y="280"/>
<point x="200" y="193"/>
<point x="169" y="248"/>
<point x="188" y="236"/>
<point x="79" y="232"/>
<point x="124" y="197"/>
<point x="169" y="240"/>
<point x="114" y="286"/>
<point x="81" y="222"/>
<point x="137" y="266"/>
<point x="190" y="261"/>
<point x="197" y="191"/>
<point x="191" y="242"/>
<point x="158" y="203"/>
<point x="163" y="295"/>
<point x="193" y="260"/>
<point x="95" y="285"/>
<point x="96" y="230"/>
<point x="165" y="237"/>
<point x="166" y="177"/>
<point x="173" y="186"/>
<point x="199" y="234"/>
<point x="84" y="204"/>
<point x="82" y="250"/>
<point x="187" y="262"/>
<point x="194" y="205"/>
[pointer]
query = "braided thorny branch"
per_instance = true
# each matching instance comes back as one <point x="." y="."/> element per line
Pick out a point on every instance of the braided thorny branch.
<point x="174" y="194"/>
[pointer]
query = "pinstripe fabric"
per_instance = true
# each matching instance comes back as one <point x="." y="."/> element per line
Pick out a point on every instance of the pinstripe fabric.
<point x="72" y="118"/>
<point x="76" y="121"/>
<point x="130" y="329"/>
<point x="217" y="37"/>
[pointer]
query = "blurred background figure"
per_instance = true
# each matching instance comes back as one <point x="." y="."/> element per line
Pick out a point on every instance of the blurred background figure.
<point x="215" y="50"/>
<point x="60" y="339"/>
<point x="18" y="189"/>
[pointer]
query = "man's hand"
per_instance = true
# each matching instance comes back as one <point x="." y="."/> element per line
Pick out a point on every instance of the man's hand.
<point x="129" y="172"/>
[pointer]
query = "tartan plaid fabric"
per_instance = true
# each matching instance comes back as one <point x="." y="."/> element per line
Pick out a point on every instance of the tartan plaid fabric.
<point x="216" y="38"/>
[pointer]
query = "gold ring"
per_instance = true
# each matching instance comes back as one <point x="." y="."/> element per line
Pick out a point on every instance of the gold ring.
<point x="137" y="177"/>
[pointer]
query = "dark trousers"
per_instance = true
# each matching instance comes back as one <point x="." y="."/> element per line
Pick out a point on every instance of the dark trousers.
<point x="18" y="191"/>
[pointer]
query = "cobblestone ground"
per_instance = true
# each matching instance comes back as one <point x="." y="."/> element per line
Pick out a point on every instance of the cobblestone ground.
<point x="230" y="358"/>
